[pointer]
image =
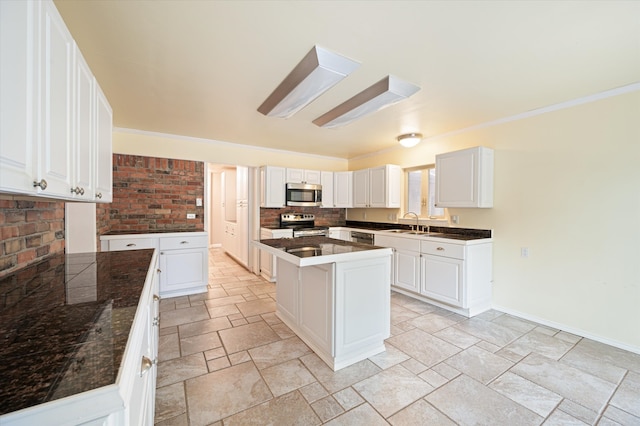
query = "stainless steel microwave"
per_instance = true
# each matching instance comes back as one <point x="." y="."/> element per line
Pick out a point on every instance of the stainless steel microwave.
<point x="304" y="195"/>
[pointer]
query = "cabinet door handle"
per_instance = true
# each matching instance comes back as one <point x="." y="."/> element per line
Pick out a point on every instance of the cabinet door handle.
<point x="99" y="195"/>
<point x="184" y="242"/>
<point x="155" y="296"/>
<point x="42" y="184"/>
<point x="159" y="270"/>
<point x="440" y="248"/>
<point x="145" y="365"/>
<point x="131" y="245"/>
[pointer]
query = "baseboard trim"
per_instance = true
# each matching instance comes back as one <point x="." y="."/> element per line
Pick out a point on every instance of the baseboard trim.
<point x="568" y="329"/>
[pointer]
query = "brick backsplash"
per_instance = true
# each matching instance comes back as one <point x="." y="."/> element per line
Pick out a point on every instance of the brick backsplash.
<point x="270" y="217"/>
<point x="29" y="232"/>
<point x="151" y="194"/>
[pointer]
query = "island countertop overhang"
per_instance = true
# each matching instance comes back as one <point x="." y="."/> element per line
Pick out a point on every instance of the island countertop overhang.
<point x="325" y="250"/>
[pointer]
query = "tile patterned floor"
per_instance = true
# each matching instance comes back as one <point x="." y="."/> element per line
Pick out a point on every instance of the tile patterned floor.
<point x="226" y="359"/>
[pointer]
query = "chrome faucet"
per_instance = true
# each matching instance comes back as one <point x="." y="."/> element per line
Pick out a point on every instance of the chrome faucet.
<point x="417" y="219"/>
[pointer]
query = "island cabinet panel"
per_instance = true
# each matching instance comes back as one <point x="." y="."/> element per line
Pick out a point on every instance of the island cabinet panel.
<point x="316" y="307"/>
<point x="361" y="324"/>
<point x="287" y="292"/>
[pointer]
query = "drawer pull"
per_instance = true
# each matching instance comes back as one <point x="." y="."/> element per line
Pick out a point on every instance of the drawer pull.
<point x="155" y="296"/>
<point x="99" y="195"/>
<point x="440" y="248"/>
<point x="42" y="184"/>
<point x="131" y="245"/>
<point x="145" y="365"/>
<point x="184" y="242"/>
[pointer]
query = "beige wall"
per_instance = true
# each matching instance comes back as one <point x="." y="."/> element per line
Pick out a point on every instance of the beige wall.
<point x="209" y="151"/>
<point x="567" y="186"/>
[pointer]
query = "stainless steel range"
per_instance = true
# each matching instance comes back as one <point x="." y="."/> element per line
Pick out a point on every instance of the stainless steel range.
<point x="303" y="225"/>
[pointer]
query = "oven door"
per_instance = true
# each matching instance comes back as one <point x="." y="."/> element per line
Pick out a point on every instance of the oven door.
<point x="304" y="195"/>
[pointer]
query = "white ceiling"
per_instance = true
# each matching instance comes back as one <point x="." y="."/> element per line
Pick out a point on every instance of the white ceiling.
<point x="202" y="68"/>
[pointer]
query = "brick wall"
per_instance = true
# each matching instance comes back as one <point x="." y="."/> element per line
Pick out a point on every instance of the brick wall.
<point x="324" y="217"/>
<point x="152" y="194"/>
<point x="29" y="231"/>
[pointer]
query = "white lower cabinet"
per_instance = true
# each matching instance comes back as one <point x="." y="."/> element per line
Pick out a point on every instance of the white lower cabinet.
<point x="455" y="275"/>
<point x="267" y="261"/>
<point x="442" y="279"/>
<point x="407" y="269"/>
<point x="184" y="258"/>
<point x="405" y="272"/>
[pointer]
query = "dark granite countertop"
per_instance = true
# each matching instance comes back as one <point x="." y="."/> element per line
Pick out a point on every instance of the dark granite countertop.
<point x="64" y="324"/>
<point x="316" y="246"/>
<point x="151" y="231"/>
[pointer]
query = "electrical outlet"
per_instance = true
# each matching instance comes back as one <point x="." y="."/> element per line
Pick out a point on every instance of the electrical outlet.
<point x="191" y="215"/>
<point x="198" y="202"/>
<point x="455" y="219"/>
<point x="524" y="252"/>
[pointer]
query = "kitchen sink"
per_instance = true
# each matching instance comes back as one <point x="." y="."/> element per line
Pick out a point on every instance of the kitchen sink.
<point x="410" y="232"/>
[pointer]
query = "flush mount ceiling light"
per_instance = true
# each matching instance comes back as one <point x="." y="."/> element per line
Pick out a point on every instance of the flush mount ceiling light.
<point x="386" y="92"/>
<point x="316" y="73"/>
<point x="409" y="139"/>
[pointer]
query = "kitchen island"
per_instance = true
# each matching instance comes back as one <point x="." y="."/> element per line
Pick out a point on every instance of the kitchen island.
<point x="334" y="294"/>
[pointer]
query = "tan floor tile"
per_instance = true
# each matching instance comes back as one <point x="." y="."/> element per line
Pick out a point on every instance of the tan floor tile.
<point x="313" y="392"/>
<point x="183" y="316"/>
<point x="199" y="343"/>
<point x="348" y="398"/>
<point x="168" y="347"/>
<point x="392" y="390"/>
<point x="286" y="377"/>
<point x="279" y="351"/>
<point x="256" y="307"/>
<point x="180" y="369"/>
<point x="361" y="415"/>
<point x="467" y="401"/>
<point x="289" y="409"/>
<point x="247" y="337"/>
<point x="479" y="364"/>
<point x="218" y="364"/>
<point x="327" y="408"/>
<point x="203" y="327"/>
<point x="170" y="402"/>
<point x="215" y="396"/>
<point x="420" y="413"/>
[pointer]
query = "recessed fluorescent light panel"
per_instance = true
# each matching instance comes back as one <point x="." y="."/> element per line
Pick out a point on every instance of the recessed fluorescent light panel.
<point x="387" y="91"/>
<point x="316" y="73"/>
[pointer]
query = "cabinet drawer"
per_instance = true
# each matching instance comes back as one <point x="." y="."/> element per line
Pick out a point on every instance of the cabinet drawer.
<point x="132" y="244"/>
<point x="184" y="242"/>
<point x="455" y="251"/>
<point x="400" y="243"/>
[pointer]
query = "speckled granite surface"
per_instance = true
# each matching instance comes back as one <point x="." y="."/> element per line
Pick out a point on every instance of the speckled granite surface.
<point x="64" y="324"/>
<point x="316" y="246"/>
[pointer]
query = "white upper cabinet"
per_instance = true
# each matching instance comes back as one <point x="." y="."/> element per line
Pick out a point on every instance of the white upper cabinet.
<point x="56" y="114"/>
<point x="49" y="125"/>
<point x="18" y="84"/>
<point x="303" y="176"/>
<point x="342" y="189"/>
<point x="272" y="186"/>
<point x="465" y="178"/>
<point x="84" y="136"/>
<point x="326" y="180"/>
<point x="103" y="146"/>
<point x="377" y="187"/>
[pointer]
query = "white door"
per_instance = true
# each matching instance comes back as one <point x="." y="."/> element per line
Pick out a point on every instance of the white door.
<point x="407" y="269"/>
<point x="56" y="143"/>
<point x="18" y="86"/>
<point x="442" y="279"/>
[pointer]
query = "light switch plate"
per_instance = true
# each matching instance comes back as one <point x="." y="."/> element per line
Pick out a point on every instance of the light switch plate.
<point x="198" y="202"/>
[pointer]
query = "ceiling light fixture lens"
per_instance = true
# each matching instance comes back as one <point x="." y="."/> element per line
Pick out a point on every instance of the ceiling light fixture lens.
<point x="387" y="91"/>
<point x="410" y="139"/>
<point x="316" y="73"/>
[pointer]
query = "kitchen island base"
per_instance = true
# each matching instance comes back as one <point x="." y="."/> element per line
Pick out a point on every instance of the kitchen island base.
<point x="341" y="310"/>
